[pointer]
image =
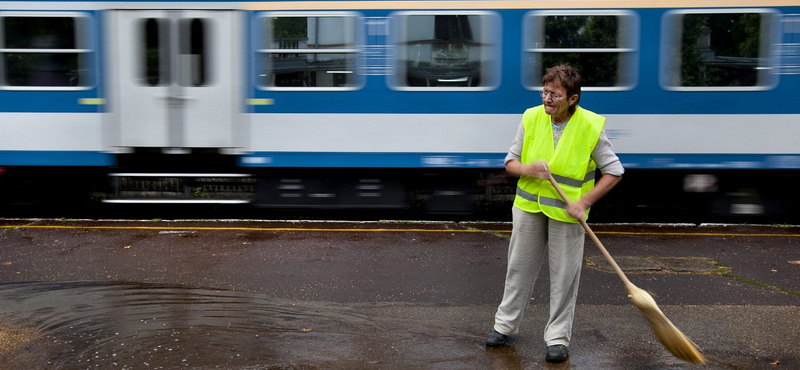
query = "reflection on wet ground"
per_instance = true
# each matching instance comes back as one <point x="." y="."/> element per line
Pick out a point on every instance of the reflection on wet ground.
<point x="107" y="325"/>
<point x="136" y="326"/>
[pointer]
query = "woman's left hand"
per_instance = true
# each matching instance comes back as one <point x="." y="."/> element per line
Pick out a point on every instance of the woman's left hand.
<point x="577" y="210"/>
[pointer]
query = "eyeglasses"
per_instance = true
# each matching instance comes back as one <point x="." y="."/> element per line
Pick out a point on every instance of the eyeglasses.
<point x="553" y="95"/>
<point x="545" y="93"/>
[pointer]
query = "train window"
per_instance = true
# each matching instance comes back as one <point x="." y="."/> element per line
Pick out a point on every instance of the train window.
<point x="300" y="51"/>
<point x="602" y="45"/>
<point x="155" y="62"/>
<point x="44" y="52"/>
<point x="193" y="56"/>
<point x="716" y="50"/>
<point x="455" y="51"/>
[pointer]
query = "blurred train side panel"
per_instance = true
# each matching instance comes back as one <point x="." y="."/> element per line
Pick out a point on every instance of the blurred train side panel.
<point x="394" y="105"/>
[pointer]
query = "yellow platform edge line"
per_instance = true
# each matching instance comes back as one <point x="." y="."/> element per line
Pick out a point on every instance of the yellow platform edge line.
<point x="202" y="228"/>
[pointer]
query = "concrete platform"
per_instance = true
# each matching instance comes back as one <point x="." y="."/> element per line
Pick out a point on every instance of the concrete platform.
<point x="382" y="295"/>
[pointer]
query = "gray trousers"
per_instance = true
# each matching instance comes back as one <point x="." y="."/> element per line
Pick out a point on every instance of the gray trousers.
<point x="534" y="237"/>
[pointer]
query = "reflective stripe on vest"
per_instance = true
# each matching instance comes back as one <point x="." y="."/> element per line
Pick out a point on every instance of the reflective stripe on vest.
<point x="546" y="201"/>
<point x="570" y="163"/>
<point x="576" y="183"/>
<point x="555" y="202"/>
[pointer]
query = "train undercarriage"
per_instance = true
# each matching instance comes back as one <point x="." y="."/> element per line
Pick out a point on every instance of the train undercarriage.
<point x="210" y="189"/>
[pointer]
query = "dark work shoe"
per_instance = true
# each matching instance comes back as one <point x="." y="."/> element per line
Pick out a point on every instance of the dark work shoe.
<point x="496" y="339"/>
<point x="557" y="353"/>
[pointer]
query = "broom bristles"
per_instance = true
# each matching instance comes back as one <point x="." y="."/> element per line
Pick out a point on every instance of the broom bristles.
<point x="672" y="338"/>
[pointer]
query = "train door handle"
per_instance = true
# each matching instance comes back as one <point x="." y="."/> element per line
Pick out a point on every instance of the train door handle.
<point x="179" y="97"/>
<point x="176" y="97"/>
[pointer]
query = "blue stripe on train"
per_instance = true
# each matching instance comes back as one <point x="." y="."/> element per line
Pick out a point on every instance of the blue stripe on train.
<point x="55" y="158"/>
<point x="417" y="160"/>
<point x="711" y="161"/>
<point x="495" y="160"/>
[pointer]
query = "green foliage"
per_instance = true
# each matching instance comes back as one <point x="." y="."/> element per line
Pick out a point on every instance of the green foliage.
<point x="289" y="27"/>
<point x="596" y="68"/>
<point x="749" y="30"/>
<point x="733" y="54"/>
<point x="691" y="75"/>
<point x="199" y="192"/>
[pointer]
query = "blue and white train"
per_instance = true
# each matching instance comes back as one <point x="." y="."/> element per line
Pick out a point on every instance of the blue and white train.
<point x="393" y="103"/>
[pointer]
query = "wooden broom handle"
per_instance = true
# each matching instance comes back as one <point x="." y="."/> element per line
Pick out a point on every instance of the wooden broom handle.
<point x="591" y="234"/>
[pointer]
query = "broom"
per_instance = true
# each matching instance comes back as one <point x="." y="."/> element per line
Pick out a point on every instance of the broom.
<point x="672" y="338"/>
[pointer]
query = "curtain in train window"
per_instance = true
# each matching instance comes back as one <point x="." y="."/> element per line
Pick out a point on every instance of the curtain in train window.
<point x="447" y="51"/>
<point x="46" y="51"/>
<point x="301" y="52"/>
<point x="726" y="50"/>
<point x="601" y="46"/>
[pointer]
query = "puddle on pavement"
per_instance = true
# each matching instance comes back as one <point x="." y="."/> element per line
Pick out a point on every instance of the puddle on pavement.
<point x="99" y="325"/>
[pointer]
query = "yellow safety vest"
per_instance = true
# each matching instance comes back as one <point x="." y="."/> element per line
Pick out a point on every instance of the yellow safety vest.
<point x="571" y="163"/>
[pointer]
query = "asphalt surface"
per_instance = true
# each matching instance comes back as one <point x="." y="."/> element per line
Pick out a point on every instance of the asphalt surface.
<point x="377" y="295"/>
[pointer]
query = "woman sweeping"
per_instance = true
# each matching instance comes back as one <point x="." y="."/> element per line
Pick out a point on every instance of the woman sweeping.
<point x="561" y="138"/>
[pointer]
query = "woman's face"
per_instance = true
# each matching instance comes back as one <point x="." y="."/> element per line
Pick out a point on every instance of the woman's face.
<point x="555" y="100"/>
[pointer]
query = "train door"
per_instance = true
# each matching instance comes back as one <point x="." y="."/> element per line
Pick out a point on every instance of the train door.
<point x="174" y="78"/>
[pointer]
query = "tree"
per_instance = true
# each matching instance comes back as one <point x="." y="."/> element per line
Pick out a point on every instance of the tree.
<point x="733" y="55"/>
<point x="596" y="68"/>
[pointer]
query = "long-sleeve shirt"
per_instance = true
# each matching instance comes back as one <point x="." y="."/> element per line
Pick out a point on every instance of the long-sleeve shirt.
<point x="603" y="153"/>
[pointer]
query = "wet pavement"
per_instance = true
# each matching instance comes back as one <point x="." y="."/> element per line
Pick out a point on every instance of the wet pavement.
<point x="377" y="295"/>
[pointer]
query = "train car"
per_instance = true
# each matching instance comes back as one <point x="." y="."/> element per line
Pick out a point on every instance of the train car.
<point x="394" y="104"/>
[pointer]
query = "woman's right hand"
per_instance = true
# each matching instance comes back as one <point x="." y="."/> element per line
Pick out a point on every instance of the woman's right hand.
<point x="538" y="169"/>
